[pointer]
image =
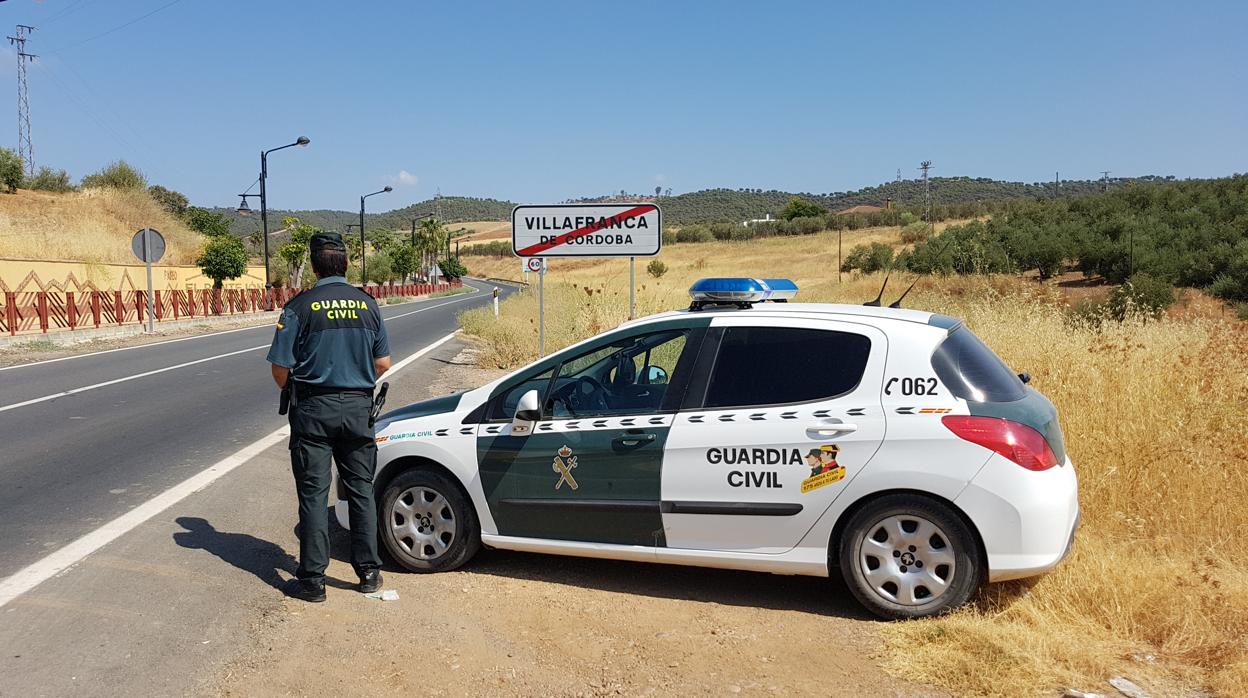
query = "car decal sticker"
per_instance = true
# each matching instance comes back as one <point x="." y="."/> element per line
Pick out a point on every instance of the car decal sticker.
<point x="564" y="464"/>
<point x="824" y="470"/>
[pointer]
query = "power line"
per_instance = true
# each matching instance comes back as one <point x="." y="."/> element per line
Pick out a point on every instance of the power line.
<point x="121" y="140"/>
<point x="68" y="9"/>
<point x="25" y="150"/>
<point x="116" y="28"/>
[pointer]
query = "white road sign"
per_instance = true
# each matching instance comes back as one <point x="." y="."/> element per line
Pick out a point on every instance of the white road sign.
<point x="587" y="230"/>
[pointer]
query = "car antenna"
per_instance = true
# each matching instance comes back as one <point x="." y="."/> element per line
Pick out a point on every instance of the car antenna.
<point x="876" y="303"/>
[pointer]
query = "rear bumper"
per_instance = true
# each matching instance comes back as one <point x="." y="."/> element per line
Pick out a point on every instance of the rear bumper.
<point x="1027" y="520"/>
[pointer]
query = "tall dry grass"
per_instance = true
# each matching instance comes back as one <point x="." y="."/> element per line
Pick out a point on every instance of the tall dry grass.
<point x="94" y="225"/>
<point x="1156" y="421"/>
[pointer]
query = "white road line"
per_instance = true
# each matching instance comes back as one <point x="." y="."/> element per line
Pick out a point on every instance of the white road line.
<point x="180" y="339"/>
<point x="145" y="374"/>
<point x="35" y="574"/>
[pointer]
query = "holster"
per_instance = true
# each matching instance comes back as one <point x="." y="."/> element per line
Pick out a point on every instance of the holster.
<point x="287" y="399"/>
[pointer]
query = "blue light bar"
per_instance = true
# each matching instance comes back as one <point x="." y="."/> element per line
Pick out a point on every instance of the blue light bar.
<point x="741" y="291"/>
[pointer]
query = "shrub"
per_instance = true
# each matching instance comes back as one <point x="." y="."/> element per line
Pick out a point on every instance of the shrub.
<point x="868" y="258"/>
<point x="800" y="208"/>
<point x="452" y="268"/>
<point x="656" y="268"/>
<point x="806" y="226"/>
<point x="48" y="179"/>
<point x="1241" y="311"/>
<point x="170" y="200"/>
<point x="115" y="175"/>
<point x="380" y="269"/>
<point x="726" y="231"/>
<point x="916" y="231"/>
<point x="10" y="170"/>
<point x="223" y="258"/>
<point x="206" y="222"/>
<point x="694" y="233"/>
<point x="1141" y="294"/>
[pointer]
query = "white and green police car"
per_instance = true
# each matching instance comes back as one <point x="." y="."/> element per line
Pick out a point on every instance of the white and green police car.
<point x="780" y="437"/>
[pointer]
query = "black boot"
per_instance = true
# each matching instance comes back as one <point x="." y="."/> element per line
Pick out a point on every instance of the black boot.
<point x="311" y="590"/>
<point x="370" y="581"/>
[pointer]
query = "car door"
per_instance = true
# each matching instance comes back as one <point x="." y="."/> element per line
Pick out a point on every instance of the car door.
<point x="589" y="470"/>
<point x="780" y="416"/>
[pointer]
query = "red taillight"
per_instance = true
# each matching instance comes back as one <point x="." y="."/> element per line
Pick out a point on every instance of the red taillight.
<point x="1018" y="442"/>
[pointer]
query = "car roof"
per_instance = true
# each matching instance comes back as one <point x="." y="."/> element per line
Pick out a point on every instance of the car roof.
<point x="809" y="309"/>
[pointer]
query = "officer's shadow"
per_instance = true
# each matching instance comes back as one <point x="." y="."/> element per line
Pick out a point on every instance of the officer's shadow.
<point x="259" y="557"/>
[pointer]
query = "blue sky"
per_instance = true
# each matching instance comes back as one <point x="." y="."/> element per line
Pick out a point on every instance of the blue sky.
<point x="542" y="101"/>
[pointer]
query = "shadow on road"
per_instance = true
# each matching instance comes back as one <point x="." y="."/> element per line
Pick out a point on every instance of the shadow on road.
<point x="246" y="552"/>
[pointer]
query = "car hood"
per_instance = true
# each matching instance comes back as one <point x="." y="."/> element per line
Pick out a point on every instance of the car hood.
<point x="426" y="408"/>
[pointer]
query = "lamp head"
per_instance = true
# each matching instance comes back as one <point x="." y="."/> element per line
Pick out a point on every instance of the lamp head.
<point x="388" y="188"/>
<point x="302" y="140"/>
<point x="243" y="208"/>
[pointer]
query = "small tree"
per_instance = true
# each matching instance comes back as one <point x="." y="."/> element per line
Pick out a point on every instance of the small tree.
<point x="656" y="268"/>
<point x="800" y="208"/>
<point x="295" y="252"/>
<point x="452" y="268"/>
<point x="115" y="175"/>
<point x="379" y="268"/>
<point x="205" y="222"/>
<point x="403" y="260"/>
<point x="10" y="170"/>
<point x="48" y="179"/>
<point x="172" y="201"/>
<point x="224" y="257"/>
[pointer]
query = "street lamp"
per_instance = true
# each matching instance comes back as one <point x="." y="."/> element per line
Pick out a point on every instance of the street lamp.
<point x="363" y="263"/>
<point x="264" y="212"/>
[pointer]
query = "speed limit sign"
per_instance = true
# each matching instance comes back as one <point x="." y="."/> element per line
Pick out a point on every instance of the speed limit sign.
<point x="535" y="264"/>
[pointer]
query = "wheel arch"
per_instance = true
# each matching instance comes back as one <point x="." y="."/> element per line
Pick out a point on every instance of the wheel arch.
<point x="838" y="530"/>
<point x="405" y="463"/>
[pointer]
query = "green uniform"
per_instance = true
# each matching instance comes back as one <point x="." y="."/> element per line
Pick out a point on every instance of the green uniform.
<point x="328" y="337"/>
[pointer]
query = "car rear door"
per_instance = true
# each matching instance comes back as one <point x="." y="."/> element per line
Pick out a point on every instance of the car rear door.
<point x="781" y="414"/>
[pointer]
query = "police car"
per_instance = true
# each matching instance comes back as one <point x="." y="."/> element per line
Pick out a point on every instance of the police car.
<point x="889" y="444"/>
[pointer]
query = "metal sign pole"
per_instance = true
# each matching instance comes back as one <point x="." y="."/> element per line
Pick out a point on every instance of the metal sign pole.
<point x="632" y="285"/>
<point x="147" y="256"/>
<point x="541" y="311"/>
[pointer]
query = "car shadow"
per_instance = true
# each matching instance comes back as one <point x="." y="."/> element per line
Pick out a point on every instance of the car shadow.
<point x="260" y="557"/>
<point x="825" y="596"/>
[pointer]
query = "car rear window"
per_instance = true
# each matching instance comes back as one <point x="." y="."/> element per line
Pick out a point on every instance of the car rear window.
<point x="973" y="372"/>
<point x="782" y="365"/>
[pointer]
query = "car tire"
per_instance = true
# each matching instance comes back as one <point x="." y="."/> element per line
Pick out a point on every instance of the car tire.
<point x="427" y="523"/>
<point x="908" y="556"/>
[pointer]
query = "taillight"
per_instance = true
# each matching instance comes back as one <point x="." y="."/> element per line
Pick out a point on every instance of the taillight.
<point x="1018" y="442"/>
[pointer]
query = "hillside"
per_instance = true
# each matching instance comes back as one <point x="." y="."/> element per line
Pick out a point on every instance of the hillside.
<point x="452" y="208"/>
<point x="94" y="225"/>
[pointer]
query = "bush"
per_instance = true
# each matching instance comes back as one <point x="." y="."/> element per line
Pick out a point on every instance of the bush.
<point x="10" y="170"/>
<point x="1241" y="311"/>
<point x="726" y="231"/>
<point x="48" y="179"/>
<point x="115" y="175"/>
<point x="801" y="208"/>
<point x="806" y="226"/>
<point x="694" y="233"/>
<point x="916" y="231"/>
<point x="380" y="269"/>
<point x="452" y="268"/>
<point x="868" y="258"/>
<point x="656" y="268"/>
<point x="493" y="248"/>
<point x="206" y="222"/>
<point x="223" y="258"/>
<point x="1141" y="294"/>
<point x="170" y="200"/>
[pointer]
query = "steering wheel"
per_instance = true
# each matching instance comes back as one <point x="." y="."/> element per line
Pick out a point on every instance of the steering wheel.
<point x="586" y="394"/>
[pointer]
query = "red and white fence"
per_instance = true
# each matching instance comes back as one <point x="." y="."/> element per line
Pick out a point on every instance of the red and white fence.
<point x="51" y="311"/>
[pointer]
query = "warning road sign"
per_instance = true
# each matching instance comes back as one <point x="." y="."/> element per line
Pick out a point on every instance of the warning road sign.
<point x="587" y="230"/>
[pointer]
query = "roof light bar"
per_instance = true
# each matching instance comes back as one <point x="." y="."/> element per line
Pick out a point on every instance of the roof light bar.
<point x="740" y="292"/>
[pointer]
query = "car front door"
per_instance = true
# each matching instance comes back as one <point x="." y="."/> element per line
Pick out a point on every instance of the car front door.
<point x="776" y="423"/>
<point x="589" y="470"/>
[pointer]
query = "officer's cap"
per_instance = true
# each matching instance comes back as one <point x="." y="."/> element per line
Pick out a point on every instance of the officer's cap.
<point x="327" y="241"/>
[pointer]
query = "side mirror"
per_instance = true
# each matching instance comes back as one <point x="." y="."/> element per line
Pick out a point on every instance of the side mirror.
<point x="528" y="411"/>
<point x="655" y="375"/>
<point x="1024" y="377"/>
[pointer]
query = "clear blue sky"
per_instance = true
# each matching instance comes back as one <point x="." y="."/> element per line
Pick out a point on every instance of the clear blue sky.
<point x="542" y="101"/>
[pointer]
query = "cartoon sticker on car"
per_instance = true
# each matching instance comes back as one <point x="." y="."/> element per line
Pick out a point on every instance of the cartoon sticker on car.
<point x="824" y="470"/>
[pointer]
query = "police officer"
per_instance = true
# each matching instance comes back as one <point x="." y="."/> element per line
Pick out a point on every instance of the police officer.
<point x="329" y="348"/>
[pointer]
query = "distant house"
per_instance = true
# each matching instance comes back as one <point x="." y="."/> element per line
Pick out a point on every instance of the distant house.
<point x="768" y="219"/>
<point x="860" y="209"/>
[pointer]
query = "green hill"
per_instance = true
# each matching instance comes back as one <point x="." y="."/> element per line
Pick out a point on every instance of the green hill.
<point x="452" y="208"/>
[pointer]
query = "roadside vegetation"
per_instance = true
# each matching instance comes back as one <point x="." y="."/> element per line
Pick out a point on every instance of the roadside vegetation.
<point x="1154" y="406"/>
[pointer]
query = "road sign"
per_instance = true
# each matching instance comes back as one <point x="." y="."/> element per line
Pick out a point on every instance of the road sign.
<point x="587" y="230"/>
<point x="149" y="246"/>
<point x="535" y="264"/>
<point x="148" y="243"/>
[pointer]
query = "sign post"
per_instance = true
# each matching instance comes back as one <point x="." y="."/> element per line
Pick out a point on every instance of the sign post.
<point x="149" y="246"/>
<point x="585" y="230"/>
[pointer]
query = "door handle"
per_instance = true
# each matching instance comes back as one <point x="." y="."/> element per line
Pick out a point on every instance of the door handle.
<point x="825" y="431"/>
<point x="632" y="440"/>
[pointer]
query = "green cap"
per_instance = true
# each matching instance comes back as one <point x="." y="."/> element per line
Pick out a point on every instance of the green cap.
<point x="327" y="241"/>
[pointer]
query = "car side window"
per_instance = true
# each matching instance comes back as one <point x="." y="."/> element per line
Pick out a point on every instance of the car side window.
<point x="631" y="376"/>
<point x="784" y="365"/>
<point x="503" y="406"/>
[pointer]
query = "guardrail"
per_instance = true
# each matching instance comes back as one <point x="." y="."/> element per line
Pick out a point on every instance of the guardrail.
<point x="51" y="311"/>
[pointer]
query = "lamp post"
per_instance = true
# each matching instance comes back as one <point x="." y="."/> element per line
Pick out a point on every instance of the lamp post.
<point x="363" y="255"/>
<point x="264" y="212"/>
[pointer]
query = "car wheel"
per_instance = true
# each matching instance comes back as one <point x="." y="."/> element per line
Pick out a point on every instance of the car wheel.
<point x="427" y="523"/>
<point x="906" y="556"/>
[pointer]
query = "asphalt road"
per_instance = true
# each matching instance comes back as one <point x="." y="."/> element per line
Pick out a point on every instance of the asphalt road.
<point x="142" y="419"/>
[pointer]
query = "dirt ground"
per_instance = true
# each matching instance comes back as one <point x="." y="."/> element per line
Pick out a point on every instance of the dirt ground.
<point x="514" y="624"/>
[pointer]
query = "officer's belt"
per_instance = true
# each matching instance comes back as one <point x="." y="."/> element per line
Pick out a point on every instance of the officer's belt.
<point x="311" y="390"/>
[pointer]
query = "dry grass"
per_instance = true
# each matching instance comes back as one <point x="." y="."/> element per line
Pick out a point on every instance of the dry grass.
<point x="1155" y="418"/>
<point x="91" y="226"/>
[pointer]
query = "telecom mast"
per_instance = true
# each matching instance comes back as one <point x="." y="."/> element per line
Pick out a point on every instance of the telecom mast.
<point x="24" y="148"/>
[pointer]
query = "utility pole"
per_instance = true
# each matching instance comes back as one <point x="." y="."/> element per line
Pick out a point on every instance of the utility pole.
<point x="1104" y="180"/>
<point x="898" y="174"/>
<point x="1057" y="184"/>
<point x="24" y="149"/>
<point x="927" y="191"/>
